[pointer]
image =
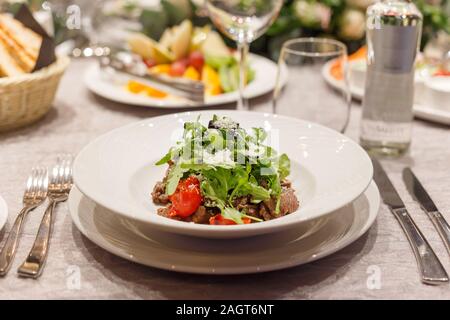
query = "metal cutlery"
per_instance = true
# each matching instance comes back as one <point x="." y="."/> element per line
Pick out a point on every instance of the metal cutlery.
<point x="431" y="269"/>
<point x="419" y="194"/>
<point x="58" y="191"/>
<point x="35" y="194"/>
<point x="132" y="65"/>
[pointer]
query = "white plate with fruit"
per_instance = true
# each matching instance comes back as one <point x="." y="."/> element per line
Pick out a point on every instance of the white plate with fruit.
<point x="196" y="53"/>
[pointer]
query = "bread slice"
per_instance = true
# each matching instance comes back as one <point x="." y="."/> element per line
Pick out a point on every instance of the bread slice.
<point x="8" y="65"/>
<point x="22" y="59"/>
<point x="28" y="40"/>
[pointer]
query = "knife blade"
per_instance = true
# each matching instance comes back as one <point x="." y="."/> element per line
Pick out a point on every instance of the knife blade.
<point x="419" y="194"/>
<point x="430" y="268"/>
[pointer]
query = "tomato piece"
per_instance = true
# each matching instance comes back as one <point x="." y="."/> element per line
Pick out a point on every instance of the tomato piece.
<point x="197" y="60"/>
<point x="218" y="219"/>
<point x="187" y="198"/>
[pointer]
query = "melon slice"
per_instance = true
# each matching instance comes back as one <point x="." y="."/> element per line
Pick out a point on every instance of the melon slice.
<point x="181" y="39"/>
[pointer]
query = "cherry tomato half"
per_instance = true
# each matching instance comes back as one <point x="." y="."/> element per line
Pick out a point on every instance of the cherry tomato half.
<point x="220" y="220"/>
<point x="187" y="198"/>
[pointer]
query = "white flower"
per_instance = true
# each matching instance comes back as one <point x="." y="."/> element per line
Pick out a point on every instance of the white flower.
<point x="352" y="24"/>
<point x="312" y="15"/>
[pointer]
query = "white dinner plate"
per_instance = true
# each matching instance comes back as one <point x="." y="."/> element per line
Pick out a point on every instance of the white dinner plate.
<point x="258" y="254"/>
<point x="420" y="110"/>
<point x="3" y="213"/>
<point x="264" y="82"/>
<point x="328" y="170"/>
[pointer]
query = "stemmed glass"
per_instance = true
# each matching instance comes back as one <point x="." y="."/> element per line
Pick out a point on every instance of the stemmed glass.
<point x="302" y="90"/>
<point x="243" y="21"/>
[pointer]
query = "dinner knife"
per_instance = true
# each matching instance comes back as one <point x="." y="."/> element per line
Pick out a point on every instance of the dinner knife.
<point x="419" y="194"/>
<point x="431" y="269"/>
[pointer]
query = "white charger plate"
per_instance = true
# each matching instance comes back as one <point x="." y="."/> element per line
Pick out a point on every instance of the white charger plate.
<point x="264" y="82"/>
<point x="3" y="213"/>
<point x="420" y="110"/>
<point x="328" y="170"/>
<point x="309" y="242"/>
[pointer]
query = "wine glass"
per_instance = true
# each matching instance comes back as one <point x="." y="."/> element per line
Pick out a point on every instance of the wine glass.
<point x="301" y="88"/>
<point x="243" y="21"/>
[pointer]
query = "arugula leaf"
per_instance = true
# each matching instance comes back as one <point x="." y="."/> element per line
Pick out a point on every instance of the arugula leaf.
<point x="232" y="214"/>
<point x="166" y="158"/>
<point x="173" y="179"/>
<point x="259" y="134"/>
<point x="284" y="166"/>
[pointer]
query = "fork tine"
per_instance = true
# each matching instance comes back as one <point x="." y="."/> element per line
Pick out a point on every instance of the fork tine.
<point x="29" y="186"/>
<point x="33" y="188"/>
<point x="68" y="172"/>
<point x="42" y="189"/>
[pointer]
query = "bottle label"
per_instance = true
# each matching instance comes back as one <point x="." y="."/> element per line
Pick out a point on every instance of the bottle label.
<point x="394" y="132"/>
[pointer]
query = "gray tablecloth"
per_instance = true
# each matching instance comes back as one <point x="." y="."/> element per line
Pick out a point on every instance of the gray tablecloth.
<point x="79" y="116"/>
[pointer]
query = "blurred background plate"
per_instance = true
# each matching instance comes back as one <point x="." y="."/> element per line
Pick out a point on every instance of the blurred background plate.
<point x="265" y="78"/>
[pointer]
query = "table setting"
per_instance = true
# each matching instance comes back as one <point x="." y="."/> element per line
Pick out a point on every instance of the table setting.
<point x="218" y="150"/>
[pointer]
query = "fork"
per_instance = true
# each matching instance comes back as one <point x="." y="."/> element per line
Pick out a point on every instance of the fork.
<point x="34" y="195"/>
<point x="58" y="191"/>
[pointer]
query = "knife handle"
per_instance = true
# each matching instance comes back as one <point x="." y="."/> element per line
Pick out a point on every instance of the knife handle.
<point x="442" y="227"/>
<point x="431" y="269"/>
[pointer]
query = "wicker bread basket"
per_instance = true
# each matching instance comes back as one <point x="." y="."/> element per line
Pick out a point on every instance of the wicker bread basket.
<point x="27" y="98"/>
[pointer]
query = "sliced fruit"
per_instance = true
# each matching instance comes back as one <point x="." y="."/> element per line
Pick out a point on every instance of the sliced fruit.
<point x="225" y="82"/>
<point x="155" y="93"/>
<point x="161" y="54"/>
<point x="135" y="87"/>
<point x="138" y="87"/>
<point x="142" y="45"/>
<point x="214" y="45"/>
<point x="150" y="63"/>
<point x="218" y="62"/>
<point x="166" y="38"/>
<point x="196" y="60"/>
<point x="211" y="80"/>
<point x="160" y="69"/>
<point x="148" y="48"/>
<point x="181" y="39"/>
<point x="192" y="74"/>
<point x="178" y="68"/>
<point x="199" y="36"/>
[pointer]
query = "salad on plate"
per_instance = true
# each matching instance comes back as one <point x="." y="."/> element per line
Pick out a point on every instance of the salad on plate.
<point x="185" y="51"/>
<point x="221" y="174"/>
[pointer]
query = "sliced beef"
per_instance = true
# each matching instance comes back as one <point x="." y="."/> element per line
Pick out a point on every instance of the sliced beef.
<point x="159" y="195"/>
<point x="264" y="212"/>
<point x="286" y="183"/>
<point x="201" y="216"/>
<point x="271" y="205"/>
<point x="288" y="202"/>
<point x="164" y="212"/>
